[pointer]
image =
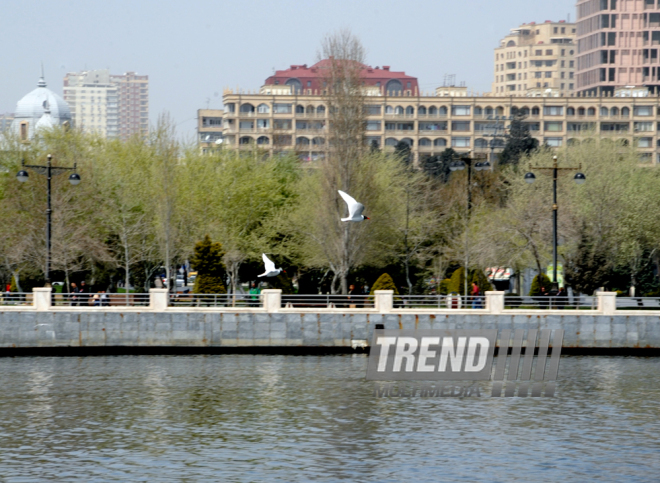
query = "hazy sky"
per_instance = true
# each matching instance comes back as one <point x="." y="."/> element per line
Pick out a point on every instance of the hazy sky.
<point x="192" y="49"/>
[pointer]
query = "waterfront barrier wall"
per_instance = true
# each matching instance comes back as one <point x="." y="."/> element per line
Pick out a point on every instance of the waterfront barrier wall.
<point x="270" y="325"/>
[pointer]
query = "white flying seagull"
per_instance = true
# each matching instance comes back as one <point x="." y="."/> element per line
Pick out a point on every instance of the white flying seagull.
<point x="271" y="271"/>
<point x="355" y="209"/>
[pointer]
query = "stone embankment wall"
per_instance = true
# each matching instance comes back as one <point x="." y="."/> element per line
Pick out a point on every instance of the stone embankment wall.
<point x="271" y="326"/>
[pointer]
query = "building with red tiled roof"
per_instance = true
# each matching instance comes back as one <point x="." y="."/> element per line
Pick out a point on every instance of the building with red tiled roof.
<point x="302" y="78"/>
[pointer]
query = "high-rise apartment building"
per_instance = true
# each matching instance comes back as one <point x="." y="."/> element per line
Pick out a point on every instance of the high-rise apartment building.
<point x="133" y="96"/>
<point x="115" y="106"/>
<point x="536" y="57"/>
<point x="92" y="98"/>
<point x="618" y="44"/>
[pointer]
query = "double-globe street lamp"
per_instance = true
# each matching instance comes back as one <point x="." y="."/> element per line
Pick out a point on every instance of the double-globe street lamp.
<point x="463" y="162"/>
<point x="579" y="178"/>
<point x="49" y="171"/>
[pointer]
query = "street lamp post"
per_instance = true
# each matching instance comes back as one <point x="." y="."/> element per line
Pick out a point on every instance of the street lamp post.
<point x="458" y="166"/>
<point x="49" y="171"/>
<point x="579" y="178"/>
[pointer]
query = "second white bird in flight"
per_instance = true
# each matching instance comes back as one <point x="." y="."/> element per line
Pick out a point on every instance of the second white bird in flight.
<point x="355" y="209"/>
<point x="271" y="271"/>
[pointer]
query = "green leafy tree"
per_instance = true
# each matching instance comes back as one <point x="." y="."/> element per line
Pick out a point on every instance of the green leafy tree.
<point x="13" y="288"/>
<point x="384" y="282"/>
<point x="207" y="260"/>
<point x="519" y="142"/>
<point x="537" y="285"/>
<point x="457" y="281"/>
<point x="283" y="282"/>
<point x="437" y="166"/>
<point x="402" y="151"/>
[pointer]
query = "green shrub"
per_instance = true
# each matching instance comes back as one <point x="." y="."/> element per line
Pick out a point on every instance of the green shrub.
<point x="283" y="282"/>
<point x="536" y="286"/>
<point x="205" y="283"/>
<point x="384" y="282"/>
<point x="457" y="281"/>
<point x="443" y="287"/>
<point x="207" y="260"/>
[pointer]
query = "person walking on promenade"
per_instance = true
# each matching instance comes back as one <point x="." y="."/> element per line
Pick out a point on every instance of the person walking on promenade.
<point x="254" y="294"/>
<point x="351" y="292"/>
<point x="84" y="291"/>
<point x="74" y="294"/>
<point x="476" y="300"/>
<point x="560" y="298"/>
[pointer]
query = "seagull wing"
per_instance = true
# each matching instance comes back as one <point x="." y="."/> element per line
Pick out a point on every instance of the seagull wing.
<point x="353" y="206"/>
<point x="270" y="266"/>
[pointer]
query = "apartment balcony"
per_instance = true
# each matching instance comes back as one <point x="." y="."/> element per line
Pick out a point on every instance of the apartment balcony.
<point x="304" y="132"/>
<point x="400" y="132"/>
<point x="431" y="132"/>
<point x="310" y="115"/>
<point x="253" y="130"/>
<point x="400" y="116"/>
<point x="432" y="116"/>
<point x="429" y="148"/>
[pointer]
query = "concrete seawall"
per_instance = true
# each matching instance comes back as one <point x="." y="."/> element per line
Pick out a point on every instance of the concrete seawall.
<point x="337" y="330"/>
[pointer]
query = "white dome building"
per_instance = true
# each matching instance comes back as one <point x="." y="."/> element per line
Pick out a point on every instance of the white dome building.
<point x="41" y="108"/>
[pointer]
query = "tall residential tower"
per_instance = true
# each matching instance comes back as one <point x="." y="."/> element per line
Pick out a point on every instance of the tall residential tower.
<point x="618" y="44"/>
<point x="536" y="59"/>
<point x="115" y="106"/>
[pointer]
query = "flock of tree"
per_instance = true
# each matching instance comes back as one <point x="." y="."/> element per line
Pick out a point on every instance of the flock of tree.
<point x="144" y="204"/>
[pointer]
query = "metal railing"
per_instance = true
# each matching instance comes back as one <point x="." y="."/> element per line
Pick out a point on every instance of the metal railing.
<point x="320" y="301"/>
<point x="440" y="302"/>
<point x="100" y="299"/>
<point x="215" y="300"/>
<point x="638" y="303"/>
<point x="541" y="302"/>
<point x="16" y="298"/>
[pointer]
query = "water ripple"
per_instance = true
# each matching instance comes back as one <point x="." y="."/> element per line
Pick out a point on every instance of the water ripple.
<point x="292" y="418"/>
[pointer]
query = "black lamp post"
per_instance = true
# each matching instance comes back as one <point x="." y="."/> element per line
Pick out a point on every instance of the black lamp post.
<point x="458" y="166"/>
<point x="579" y="178"/>
<point x="49" y="171"/>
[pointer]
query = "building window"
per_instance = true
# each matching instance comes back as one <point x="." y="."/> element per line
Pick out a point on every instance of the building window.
<point x="643" y="126"/>
<point x="460" y="142"/>
<point x="554" y="126"/>
<point x="373" y="126"/>
<point x="460" y="125"/>
<point x="553" y="142"/>
<point x="643" y="111"/>
<point x="460" y="110"/>
<point x="645" y="142"/>
<point x="282" y="108"/>
<point x="548" y="52"/>
<point x="24" y="131"/>
<point x="553" y="110"/>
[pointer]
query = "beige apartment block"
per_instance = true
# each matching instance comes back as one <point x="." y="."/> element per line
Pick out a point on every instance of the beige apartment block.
<point x="92" y="98"/>
<point x="536" y="59"/>
<point x="115" y="106"/>
<point x="298" y="124"/>
<point x="618" y="44"/>
<point x="209" y="129"/>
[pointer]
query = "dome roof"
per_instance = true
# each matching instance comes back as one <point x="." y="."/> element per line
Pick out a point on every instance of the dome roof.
<point x="41" y="101"/>
<point x="46" y="122"/>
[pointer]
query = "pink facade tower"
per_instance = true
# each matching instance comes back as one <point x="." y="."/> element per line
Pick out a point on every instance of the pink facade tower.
<point x="618" y="44"/>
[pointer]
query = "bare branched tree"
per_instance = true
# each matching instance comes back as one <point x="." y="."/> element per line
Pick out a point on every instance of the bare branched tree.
<point x="343" y="57"/>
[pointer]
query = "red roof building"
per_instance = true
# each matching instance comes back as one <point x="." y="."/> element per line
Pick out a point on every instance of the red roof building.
<point x="302" y="78"/>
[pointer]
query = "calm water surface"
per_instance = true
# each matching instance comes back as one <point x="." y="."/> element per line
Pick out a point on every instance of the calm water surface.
<point x="304" y="418"/>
